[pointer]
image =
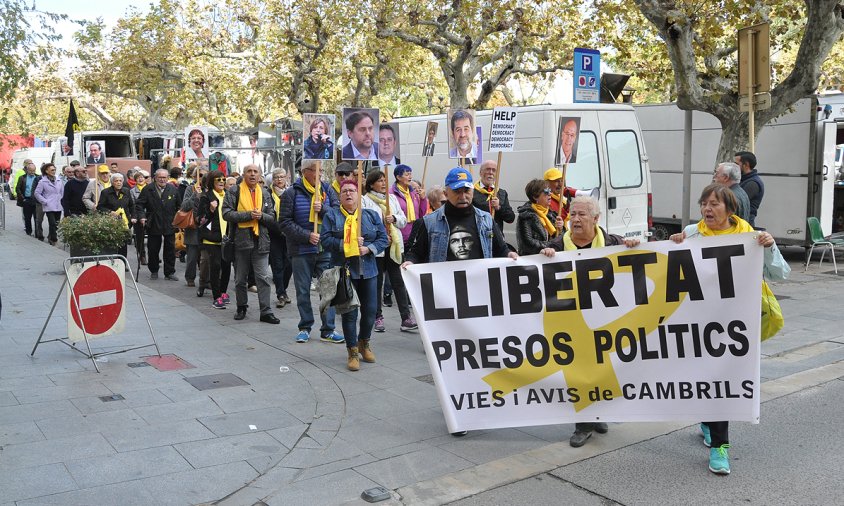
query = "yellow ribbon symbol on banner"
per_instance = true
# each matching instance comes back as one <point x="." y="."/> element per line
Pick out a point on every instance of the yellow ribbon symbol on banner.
<point x="585" y="373"/>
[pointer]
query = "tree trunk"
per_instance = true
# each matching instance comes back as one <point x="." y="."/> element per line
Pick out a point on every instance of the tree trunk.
<point x="734" y="136"/>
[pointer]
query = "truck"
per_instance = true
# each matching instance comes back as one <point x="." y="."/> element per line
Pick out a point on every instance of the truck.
<point x="796" y="155"/>
<point x="610" y="157"/>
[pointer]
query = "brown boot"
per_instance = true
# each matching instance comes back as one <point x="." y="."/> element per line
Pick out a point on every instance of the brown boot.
<point x="365" y="352"/>
<point x="354" y="359"/>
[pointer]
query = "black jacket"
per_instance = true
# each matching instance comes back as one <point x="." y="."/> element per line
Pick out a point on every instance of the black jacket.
<point x="531" y="236"/>
<point x="109" y="201"/>
<point x="20" y="188"/>
<point x="505" y="214"/>
<point x="159" y="212"/>
<point x="204" y="215"/>
<point x="72" y="203"/>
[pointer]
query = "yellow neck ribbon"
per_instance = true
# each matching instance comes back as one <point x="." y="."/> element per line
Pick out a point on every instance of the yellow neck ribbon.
<point x="542" y="212"/>
<point x="247" y="201"/>
<point x="350" y="233"/>
<point x="395" y="234"/>
<point x="313" y="217"/>
<point x="597" y="242"/>
<point x="737" y="226"/>
<point x="411" y="212"/>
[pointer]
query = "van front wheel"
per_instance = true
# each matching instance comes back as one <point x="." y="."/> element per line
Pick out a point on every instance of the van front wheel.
<point x="662" y="231"/>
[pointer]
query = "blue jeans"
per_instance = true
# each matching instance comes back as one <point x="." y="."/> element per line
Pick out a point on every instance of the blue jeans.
<point x="305" y="267"/>
<point x="367" y="290"/>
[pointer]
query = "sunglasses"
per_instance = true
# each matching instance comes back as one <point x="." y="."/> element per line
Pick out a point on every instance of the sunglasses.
<point x="219" y="180"/>
<point x="547" y="191"/>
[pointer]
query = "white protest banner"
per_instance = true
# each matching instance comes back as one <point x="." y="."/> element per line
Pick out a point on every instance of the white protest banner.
<point x="502" y="133"/>
<point x="659" y="332"/>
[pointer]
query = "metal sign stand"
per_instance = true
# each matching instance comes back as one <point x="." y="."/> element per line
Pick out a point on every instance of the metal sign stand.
<point x="66" y="340"/>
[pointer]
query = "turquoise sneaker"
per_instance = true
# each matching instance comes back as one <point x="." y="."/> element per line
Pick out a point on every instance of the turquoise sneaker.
<point x="719" y="460"/>
<point x="707" y="439"/>
<point x="302" y="336"/>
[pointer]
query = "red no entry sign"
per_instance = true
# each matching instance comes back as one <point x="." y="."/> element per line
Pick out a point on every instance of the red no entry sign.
<point x="98" y="293"/>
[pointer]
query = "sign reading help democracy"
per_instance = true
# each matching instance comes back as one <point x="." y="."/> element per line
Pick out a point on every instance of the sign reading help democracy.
<point x="502" y="133"/>
<point x="660" y="332"/>
<point x="98" y="293"/>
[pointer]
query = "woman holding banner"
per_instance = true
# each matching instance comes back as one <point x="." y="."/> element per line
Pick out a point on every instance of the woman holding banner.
<point x="389" y="261"/>
<point x="584" y="232"/>
<point x="354" y="237"/>
<point x="536" y="223"/>
<point x="718" y="207"/>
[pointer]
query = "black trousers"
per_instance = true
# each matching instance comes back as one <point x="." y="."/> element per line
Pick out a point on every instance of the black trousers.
<point x="719" y="432"/>
<point x="393" y="271"/>
<point x="28" y="214"/>
<point x="53" y="218"/>
<point x="219" y="271"/>
<point x="154" y="246"/>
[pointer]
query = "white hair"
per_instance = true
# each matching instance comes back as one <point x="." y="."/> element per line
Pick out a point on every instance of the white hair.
<point x="594" y="208"/>
<point x="731" y="170"/>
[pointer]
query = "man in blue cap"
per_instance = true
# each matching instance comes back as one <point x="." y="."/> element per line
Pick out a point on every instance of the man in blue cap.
<point x="457" y="230"/>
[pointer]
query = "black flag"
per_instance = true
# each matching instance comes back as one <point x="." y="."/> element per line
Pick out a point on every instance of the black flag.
<point x="71" y="128"/>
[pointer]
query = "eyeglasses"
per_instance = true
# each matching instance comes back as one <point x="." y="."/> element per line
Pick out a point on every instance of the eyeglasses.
<point x="219" y="180"/>
<point x="547" y="191"/>
<point x="349" y="191"/>
<point x="278" y="177"/>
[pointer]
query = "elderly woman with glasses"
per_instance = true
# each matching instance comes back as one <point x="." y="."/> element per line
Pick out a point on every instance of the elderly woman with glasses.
<point x="537" y="224"/>
<point x="117" y="200"/>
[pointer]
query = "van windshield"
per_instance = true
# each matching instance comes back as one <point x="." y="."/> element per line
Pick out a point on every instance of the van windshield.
<point x="585" y="174"/>
<point x="116" y="146"/>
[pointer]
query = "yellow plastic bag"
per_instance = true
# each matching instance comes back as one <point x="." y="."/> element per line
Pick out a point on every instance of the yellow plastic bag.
<point x="772" y="320"/>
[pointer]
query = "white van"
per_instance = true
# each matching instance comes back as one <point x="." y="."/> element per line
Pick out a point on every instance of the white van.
<point x="610" y="156"/>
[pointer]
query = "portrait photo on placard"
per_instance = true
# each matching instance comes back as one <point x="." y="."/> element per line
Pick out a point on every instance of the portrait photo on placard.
<point x="463" y="139"/>
<point x="95" y="152"/>
<point x="388" y="144"/>
<point x="360" y="133"/>
<point x="567" y="133"/>
<point x="318" y="135"/>
<point x="196" y="142"/>
<point x="428" y="143"/>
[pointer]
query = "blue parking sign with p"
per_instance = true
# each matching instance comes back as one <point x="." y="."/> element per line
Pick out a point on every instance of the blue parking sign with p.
<point x="587" y="75"/>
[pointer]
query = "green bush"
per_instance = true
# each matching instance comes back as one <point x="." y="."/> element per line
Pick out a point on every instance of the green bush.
<point x="93" y="233"/>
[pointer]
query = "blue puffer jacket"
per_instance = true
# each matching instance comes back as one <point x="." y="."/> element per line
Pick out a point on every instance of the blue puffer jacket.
<point x="294" y="212"/>
<point x="374" y="238"/>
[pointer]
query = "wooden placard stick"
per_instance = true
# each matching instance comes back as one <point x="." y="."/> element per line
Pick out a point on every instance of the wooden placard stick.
<point x="360" y="187"/>
<point x="317" y="187"/>
<point x="495" y="184"/>
<point x="359" y="210"/>
<point x="387" y="196"/>
<point x="425" y="171"/>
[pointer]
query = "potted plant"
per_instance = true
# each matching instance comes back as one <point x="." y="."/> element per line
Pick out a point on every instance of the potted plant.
<point x="93" y="234"/>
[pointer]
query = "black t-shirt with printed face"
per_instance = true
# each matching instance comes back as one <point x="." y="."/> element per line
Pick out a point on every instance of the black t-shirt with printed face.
<point x="463" y="240"/>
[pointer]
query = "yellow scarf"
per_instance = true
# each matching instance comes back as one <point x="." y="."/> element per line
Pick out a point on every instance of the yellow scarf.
<point x="350" y="233"/>
<point x="597" y="242"/>
<point x="277" y="202"/>
<point x="542" y="212"/>
<point x="396" y="243"/>
<point x="336" y="186"/>
<point x="140" y="187"/>
<point x="253" y="199"/>
<point x="737" y="226"/>
<point x="408" y="200"/>
<point x="120" y="212"/>
<point x="556" y="197"/>
<point x="223" y="223"/>
<point x="313" y="217"/>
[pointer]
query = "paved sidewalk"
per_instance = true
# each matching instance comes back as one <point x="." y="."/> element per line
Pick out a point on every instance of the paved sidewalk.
<point x="317" y="434"/>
